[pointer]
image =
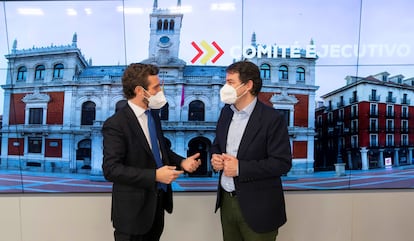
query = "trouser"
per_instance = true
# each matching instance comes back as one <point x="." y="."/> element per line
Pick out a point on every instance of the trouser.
<point x="154" y="234"/>
<point x="233" y="224"/>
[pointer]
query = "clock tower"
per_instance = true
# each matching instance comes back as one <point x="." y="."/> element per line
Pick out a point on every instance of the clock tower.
<point x="165" y="27"/>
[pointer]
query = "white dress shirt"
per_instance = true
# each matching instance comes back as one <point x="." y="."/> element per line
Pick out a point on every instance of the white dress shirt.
<point x="143" y="121"/>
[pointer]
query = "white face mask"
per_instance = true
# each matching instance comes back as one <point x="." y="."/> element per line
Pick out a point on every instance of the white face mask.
<point x="156" y="101"/>
<point x="228" y="94"/>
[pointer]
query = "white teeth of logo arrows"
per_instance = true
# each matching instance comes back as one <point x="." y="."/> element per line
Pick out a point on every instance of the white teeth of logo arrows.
<point x="210" y="52"/>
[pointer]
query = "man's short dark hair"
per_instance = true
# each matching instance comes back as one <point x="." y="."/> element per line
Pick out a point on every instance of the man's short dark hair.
<point x="247" y="71"/>
<point x="135" y="75"/>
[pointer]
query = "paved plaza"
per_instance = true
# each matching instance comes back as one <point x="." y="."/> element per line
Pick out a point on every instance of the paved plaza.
<point x="37" y="182"/>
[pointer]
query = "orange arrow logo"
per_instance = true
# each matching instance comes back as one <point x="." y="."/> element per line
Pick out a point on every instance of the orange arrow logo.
<point x="217" y="52"/>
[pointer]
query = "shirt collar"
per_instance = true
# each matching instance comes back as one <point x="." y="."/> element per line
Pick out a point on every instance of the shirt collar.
<point x="138" y="111"/>
<point x="248" y="109"/>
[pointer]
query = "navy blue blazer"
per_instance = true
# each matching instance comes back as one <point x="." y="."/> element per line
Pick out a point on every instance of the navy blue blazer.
<point x="264" y="156"/>
<point x="128" y="162"/>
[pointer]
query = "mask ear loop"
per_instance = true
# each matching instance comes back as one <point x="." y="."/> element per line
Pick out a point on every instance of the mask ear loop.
<point x="146" y="98"/>
<point x="145" y="91"/>
<point x="243" y="92"/>
<point x="148" y="93"/>
<point x="238" y="87"/>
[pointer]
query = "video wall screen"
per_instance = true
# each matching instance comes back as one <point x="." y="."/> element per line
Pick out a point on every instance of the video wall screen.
<point x="342" y="73"/>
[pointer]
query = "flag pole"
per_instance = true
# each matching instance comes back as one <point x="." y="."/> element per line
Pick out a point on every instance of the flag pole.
<point x="182" y="101"/>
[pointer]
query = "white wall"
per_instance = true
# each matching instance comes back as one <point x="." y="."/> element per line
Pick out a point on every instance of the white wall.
<point x="380" y="215"/>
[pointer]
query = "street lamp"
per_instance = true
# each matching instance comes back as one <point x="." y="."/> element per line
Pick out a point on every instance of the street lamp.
<point x="339" y="131"/>
<point x="339" y="165"/>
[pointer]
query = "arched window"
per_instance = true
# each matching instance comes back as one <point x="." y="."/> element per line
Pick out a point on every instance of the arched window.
<point x="88" y="113"/>
<point x="40" y="72"/>
<point x="172" y="24"/>
<point x="196" y="111"/>
<point x="201" y="145"/>
<point x="265" y="71"/>
<point x="84" y="149"/>
<point x="165" y="27"/>
<point x="300" y="74"/>
<point x="283" y="72"/>
<point x="159" y="24"/>
<point x="164" y="112"/>
<point x="58" y="71"/>
<point x="22" y="73"/>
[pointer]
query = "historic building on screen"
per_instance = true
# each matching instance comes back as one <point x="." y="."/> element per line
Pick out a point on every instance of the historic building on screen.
<point x="368" y="123"/>
<point x="56" y="102"/>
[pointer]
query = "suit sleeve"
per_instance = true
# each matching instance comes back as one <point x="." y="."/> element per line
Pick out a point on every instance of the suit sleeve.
<point x="269" y="154"/>
<point x="221" y="132"/>
<point x="121" y="161"/>
<point x="173" y="159"/>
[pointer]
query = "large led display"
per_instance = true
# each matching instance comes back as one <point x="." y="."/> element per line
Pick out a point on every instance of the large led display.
<point x="342" y="73"/>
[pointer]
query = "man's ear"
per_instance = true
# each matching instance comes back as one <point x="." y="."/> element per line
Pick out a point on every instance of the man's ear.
<point x="139" y="91"/>
<point x="250" y="84"/>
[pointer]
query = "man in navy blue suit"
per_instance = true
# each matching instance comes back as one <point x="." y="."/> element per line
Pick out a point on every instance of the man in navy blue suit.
<point x="138" y="160"/>
<point x="251" y="151"/>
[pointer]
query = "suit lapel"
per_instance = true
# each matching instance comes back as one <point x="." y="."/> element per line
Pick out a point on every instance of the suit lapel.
<point x="227" y="117"/>
<point x="136" y="128"/>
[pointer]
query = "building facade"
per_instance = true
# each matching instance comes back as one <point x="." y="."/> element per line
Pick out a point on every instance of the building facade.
<point x="56" y="102"/>
<point x="368" y="123"/>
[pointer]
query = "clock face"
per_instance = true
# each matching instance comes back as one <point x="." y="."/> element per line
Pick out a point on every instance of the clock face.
<point x="164" y="40"/>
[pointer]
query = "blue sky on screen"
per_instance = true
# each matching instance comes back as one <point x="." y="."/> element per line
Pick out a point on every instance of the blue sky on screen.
<point x="380" y="30"/>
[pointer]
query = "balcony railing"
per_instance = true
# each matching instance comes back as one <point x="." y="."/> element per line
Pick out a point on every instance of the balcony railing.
<point x="353" y="99"/>
<point x="340" y="104"/>
<point x="404" y="129"/>
<point x="188" y="125"/>
<point x="354" y="130"/>
<point x="374" y="98"/>
<point x="405" y="101"/>
<point x="354" y="115"/>
<point x="373" y="129"/>
<point x="391" y="99"/>
<point x="389" y="129"/>
<point x="373" y="113"/>
<point x="390" y="114"/>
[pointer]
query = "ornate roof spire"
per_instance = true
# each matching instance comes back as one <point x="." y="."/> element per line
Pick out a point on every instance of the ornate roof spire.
<point x="312" y="42"/>
<point x="253" y="43"/>
<point x="75" y="40"/>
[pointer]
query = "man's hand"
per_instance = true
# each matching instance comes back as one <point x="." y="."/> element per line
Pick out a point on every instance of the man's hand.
<point x="191" y="163"/>
<point x="217" y="162"/>
<point x="167" y="174"/>
<point x="231" y="165"/>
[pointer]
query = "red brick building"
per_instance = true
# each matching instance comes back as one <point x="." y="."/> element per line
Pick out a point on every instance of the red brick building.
<point x="368" y="123"/>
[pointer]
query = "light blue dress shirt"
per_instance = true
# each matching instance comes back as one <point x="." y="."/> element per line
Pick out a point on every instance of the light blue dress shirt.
<point x="237" y="126"/>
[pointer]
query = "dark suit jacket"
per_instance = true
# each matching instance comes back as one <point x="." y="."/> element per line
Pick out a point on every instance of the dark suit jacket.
<point x="129" y="163"/>
<point x="264" y="156"/>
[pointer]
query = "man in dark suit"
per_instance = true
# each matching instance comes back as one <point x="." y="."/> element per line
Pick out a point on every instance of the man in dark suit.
<point x="138" y="160"/>
<point x="252" y="151"/>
